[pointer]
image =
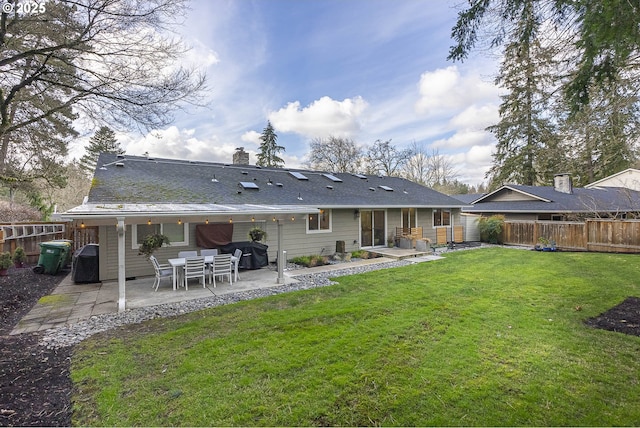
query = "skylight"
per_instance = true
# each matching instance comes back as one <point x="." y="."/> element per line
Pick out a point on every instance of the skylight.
<point x="298" y="175"/>
<point x="249" y="185"/>
<point x="333" y="178"/>
<point x="387" y="188"/>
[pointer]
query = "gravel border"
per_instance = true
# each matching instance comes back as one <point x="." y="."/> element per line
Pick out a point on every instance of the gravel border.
<point x="72" y="334"/>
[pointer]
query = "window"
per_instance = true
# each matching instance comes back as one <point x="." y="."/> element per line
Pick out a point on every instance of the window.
<point x="409" y="218"/>
<point x="441" y="217"/>
<point x="320" y="222"/>
<point x="178" y="234"/>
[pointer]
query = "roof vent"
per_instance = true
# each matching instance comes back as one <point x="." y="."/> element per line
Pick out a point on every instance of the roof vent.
<point x="120" y="164"/>
<point x="373" y="189"/>
<point x="119" y="156"/>
<point x="279" y="184"/>
<point x="387" y="188"/>
<point x="245" y="173"/>
<point x="364" y="177"/>
<point x="330" y="187"/>
<point x="299" y="197"/>
<point x="214" y="179"/>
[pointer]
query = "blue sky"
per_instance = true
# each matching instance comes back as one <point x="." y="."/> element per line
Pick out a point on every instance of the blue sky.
<point x="362" y="69"/>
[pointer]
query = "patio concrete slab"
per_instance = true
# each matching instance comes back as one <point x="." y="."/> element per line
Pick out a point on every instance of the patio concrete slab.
<point x="71" y="303"/>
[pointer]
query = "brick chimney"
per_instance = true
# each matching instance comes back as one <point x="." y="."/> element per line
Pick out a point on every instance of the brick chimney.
<point x="240" y="157"/>
<point x="562" y="183"/>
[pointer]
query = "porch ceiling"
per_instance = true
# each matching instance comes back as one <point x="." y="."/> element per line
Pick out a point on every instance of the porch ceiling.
<point x="98" y="211"/>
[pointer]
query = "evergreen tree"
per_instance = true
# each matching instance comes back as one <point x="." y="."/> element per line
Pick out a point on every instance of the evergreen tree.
<point x="525" y="130"/>
<point x="602" y="138"/>
<point x="103" y="141"/>
<point x="106" y="60"/>
<point x="269" y="149"/>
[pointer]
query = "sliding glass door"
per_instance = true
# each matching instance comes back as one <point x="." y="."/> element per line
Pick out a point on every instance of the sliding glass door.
<point x="372" y="228"/>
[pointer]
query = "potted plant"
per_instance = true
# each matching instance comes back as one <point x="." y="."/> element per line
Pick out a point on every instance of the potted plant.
<point x="5" y="263"/>
<point x="257" y="235"/>
<point x="151" y="243"/>
<point x="19" y="257"/>
<point x="544" y="244"/>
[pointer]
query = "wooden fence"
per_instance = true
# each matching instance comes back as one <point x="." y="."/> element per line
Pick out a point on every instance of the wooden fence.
<point x="612" y="236"/>
<point x="30" y="235"/>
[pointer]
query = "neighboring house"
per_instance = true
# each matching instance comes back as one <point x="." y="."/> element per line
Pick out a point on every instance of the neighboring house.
<point x="560" y="202"/>
<point x="132" y="196"/>
<point x="629" y="179"/>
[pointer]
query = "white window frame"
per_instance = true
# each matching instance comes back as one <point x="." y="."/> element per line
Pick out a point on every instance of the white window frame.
<point x="329" y="230"/>
<point x="134" y="236"/>
<point x="442" y="210"/>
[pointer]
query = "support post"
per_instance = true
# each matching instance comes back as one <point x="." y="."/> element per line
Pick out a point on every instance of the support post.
<point x="281" y="254"/>
<point x="121" y="265"/>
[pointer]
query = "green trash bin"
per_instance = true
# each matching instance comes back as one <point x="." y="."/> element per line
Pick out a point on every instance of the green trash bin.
<point x="67" y="257"/>
<point x="54" y="256"/>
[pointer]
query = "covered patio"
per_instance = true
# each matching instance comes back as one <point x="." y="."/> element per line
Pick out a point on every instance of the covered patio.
<point x="71" y="303"/>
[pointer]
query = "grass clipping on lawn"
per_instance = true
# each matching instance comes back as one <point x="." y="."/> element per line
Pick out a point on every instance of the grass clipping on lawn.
<point x="488" y="337"/>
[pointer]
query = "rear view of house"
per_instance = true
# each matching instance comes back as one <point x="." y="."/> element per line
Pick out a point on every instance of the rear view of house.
<point x="132" y="196"/>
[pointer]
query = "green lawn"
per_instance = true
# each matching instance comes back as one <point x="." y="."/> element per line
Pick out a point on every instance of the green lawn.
<point x="484" y="337"/>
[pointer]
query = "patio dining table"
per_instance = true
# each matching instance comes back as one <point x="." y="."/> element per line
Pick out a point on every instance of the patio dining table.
<point x="179" y="262"/>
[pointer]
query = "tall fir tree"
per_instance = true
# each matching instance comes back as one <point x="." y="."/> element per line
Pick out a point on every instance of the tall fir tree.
<point x="103" y="141"/>
<point x="269" y="149"/>
<point x="525" y="130"/>
<point x="602" y="137"/>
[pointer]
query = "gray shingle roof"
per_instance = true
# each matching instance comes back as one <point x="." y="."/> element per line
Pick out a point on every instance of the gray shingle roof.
<point x="582" y="200"/>
<point x="138" y="180"/>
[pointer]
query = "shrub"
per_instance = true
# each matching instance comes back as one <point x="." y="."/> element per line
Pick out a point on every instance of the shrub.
<point x="19" y="255"/>
<point x="491" y="228"/>
<point x="310" y="261"/>
<point x="5" y="260"/>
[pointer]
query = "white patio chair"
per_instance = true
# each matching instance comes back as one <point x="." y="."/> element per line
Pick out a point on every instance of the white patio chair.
<point x="238" y="255"/>
<point x="209" y="252"/>
<point x="185" y="254"/>
<point x="221" y="267"/>
<point x="194" y="268"/>
<point x="161" y="270"/>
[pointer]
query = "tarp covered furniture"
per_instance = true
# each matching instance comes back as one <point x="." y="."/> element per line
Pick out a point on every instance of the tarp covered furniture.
<point x="254" y="254"/>
<point x="85" y="266"/>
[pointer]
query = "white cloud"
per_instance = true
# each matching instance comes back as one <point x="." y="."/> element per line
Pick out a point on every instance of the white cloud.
<point x="445" y="89"/>
<point x="252" y="137"/>
<point x="476" y="117"/>
<point x="175" y="143"/>
<point x="321" y="118"/>
<point x="463" y="139"/>
<point x="473" y="164"/>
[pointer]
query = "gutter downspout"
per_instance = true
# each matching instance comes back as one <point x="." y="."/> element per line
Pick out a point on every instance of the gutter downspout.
<point x="121" y="265"/>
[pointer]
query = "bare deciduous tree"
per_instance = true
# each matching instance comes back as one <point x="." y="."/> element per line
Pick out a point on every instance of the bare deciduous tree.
<point x="383" y="158"/>
<point x="335" y="154"/>
<point x="112" y="61"/>
<point x="429" y="168"/>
